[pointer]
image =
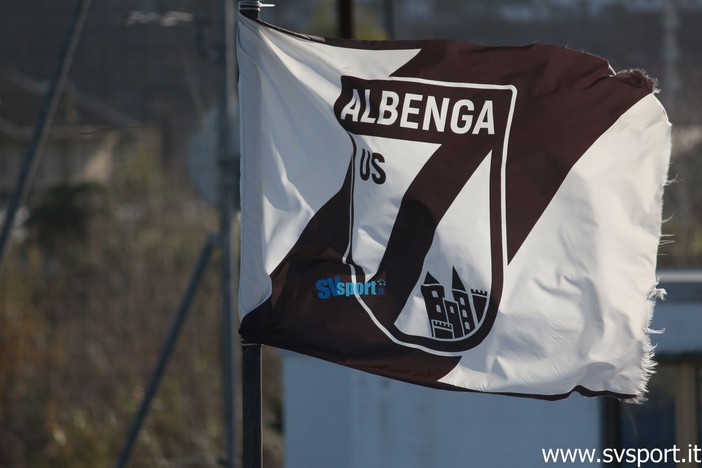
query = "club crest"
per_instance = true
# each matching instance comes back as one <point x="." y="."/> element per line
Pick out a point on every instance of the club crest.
<point x="427" y="187"/>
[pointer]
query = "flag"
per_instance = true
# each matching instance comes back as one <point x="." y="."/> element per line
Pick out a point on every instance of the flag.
<point x="451" y="215"/>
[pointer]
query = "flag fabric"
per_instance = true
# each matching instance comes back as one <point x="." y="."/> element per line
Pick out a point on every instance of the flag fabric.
<point x="451" y="215"/>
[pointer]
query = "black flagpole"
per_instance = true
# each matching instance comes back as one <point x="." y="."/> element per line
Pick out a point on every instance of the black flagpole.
<point x="252" y="453"/>
<point x="251" y="397"/>
<point x="346" y="18"/>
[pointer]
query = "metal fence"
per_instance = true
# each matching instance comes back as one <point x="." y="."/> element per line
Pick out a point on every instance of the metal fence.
<point x="125" y="194"/>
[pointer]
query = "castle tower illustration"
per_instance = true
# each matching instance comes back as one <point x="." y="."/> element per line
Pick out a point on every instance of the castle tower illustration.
<point x="480" y="298"/>
<point x="433" y="293"/>
<point x="450" y="319"/>
<point x="465" y="315"/>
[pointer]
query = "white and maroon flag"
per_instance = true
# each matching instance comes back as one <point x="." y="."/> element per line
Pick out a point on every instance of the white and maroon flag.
<point x="455" y="216"/>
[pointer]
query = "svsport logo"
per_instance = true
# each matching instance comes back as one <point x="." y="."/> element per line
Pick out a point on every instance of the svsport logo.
<point x="334" y="287"/>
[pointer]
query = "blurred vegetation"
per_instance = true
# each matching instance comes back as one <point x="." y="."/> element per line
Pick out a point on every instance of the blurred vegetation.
<point x="86" y="300"/>
<point x="323" y="22"/>
<point x="61" y="216"/>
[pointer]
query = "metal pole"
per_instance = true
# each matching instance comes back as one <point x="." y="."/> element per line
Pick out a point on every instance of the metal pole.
<point x="46" y="115"/>
<point x="390" y="18"/>
<point x="251" y="352"/>
<point x="346" y="18"/>
<point x="226" y="172"/>
<point x="610" y="429"/>
<point x="671" y="84"/>
<point x="166" y="353"/>
<point x="251" y="389"/>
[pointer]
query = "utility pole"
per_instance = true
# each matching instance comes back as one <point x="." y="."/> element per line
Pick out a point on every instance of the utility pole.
<point x="671" y="52"/>
<point x="671" y="90"/>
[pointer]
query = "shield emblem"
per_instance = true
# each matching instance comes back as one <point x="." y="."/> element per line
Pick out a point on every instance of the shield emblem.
<point x="426" y="206"/>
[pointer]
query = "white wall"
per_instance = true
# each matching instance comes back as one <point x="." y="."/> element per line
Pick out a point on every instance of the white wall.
<point x="341" y="418"/>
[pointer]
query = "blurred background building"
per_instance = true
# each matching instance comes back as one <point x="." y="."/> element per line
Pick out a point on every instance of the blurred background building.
<point x="119" y="210"/>
<point x="349" y="419"/>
